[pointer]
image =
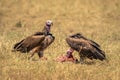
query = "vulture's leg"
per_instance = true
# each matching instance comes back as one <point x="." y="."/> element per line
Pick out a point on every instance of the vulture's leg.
<point x="81" y="56"/>
<point x="41" y="55"/>
<point x="32" y="52"/>
<point x="82" y="59"/>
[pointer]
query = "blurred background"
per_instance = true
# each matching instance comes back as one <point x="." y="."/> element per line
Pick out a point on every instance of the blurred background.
<point x="98" y="20"/>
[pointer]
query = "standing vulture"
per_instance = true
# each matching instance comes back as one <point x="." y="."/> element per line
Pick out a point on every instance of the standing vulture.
<point x="85" y="47"/>
<point x="37" y="42"/>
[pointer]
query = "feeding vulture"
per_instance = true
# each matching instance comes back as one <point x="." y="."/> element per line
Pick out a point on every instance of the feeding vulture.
<point x="85" y="47"/>
<point x="37" y="42"/>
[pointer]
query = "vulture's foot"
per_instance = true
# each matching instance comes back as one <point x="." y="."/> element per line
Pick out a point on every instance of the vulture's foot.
<point x="43" y="58"/>
<point x="81" y="62"/>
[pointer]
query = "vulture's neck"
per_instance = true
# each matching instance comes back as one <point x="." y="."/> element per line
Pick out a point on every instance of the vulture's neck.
<point x="46" y="29"/>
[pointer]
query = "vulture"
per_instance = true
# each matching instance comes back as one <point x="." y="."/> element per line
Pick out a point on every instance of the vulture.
<point x="85" y="47"/>
<point x="37" y="42"/>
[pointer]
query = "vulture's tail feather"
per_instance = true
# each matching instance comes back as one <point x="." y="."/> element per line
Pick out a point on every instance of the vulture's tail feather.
<point x="19" y="47"/>
<point x="99" y="53"/>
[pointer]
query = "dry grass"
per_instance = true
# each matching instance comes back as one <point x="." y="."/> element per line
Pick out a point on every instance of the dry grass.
<point x="98" y="20"/>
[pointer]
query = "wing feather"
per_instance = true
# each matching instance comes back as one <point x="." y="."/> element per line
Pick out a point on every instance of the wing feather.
<point x="29" y="43"/>
<point x="90" y="48"/>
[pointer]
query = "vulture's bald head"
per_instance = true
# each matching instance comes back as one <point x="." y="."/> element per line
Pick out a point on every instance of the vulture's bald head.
<point x="49" y="23"/>
<point x="47" y="26"/>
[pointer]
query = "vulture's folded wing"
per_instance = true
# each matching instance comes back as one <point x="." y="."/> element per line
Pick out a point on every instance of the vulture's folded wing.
<point x="87" y="48"/>
<point x="76" y="43"/>
<point x="29" y="43"/>
<point x="97" y="53"/>
<point x="94" y="43"/>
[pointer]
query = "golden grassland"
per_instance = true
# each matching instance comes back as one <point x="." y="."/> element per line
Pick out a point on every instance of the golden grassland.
<point x="98" y="20"/>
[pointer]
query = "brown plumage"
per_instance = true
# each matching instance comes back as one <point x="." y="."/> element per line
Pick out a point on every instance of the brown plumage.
<point x="85" y="47"/>
<point x="36" y="43"/>
<point x="29" y="43"/>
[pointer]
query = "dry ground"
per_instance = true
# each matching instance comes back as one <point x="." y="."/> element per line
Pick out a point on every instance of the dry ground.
<point x="98" y="20"/>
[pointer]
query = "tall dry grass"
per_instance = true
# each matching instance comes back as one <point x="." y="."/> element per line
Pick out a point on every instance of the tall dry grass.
<point x="98" y="20"/>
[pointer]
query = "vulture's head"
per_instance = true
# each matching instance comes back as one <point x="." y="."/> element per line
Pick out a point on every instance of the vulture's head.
<point x="48" y="24"/>
<point x="76" y="35"/>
